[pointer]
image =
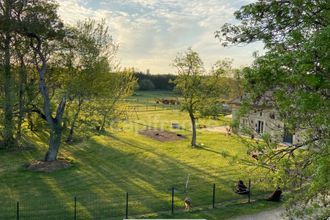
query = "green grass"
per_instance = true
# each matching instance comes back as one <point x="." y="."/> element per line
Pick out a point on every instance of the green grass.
<point x="145" y="101"/>
<point x="107" y="166"/>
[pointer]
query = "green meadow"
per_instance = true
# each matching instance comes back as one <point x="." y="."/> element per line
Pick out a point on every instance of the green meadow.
<point x="107" y="166"/>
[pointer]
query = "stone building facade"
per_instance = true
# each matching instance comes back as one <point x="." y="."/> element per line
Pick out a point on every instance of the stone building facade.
<point x="263" y="119"/>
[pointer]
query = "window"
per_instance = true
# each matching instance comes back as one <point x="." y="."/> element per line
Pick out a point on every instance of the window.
<point x="272" y="115"/>
<point x="260" y="127"/>
<point x="245" y="122"/>
<point x="288" y="136"/>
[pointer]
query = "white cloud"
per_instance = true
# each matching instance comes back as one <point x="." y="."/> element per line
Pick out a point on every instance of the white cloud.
<point x="151" y="32"/>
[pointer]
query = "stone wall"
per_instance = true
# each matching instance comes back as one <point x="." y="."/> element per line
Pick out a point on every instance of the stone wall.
<point x="258" y="122"/>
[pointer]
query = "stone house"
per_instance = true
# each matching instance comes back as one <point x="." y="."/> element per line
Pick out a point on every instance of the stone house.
<point x="263" y="119"/>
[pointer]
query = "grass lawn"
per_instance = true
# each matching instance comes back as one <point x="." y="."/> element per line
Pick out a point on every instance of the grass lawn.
<point x="107" y="166"/>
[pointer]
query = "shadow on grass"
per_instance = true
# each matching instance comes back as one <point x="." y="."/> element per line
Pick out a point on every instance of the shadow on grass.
<point x="105" y="169"/>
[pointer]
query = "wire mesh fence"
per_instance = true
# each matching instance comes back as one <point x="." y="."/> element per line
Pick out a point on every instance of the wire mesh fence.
<point x="128" y="204"/>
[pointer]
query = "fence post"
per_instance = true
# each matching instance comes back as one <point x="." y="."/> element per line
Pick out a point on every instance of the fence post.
<point x="75" y="208"/>
<point x="213" y="198"/>
<point x="249" y="195"/>
<point x="126" y="210"/>
<point x="172" y="210"/>
<point x="17" y="211"/>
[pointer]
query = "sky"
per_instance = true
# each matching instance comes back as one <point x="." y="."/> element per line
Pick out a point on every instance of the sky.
<point x="151" y="33"/>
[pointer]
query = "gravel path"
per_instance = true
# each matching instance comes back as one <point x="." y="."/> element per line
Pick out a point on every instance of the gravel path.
<point x="274" y="214"/>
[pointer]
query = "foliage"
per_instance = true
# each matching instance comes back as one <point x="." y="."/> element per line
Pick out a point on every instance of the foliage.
<point x="200" y="92"/>
<point x="90" y="59"/>
<point x="295" y="68"/>
<point x="53" y="70"/>
<point x="160" y="81"/>
<point x="146" y="84"/>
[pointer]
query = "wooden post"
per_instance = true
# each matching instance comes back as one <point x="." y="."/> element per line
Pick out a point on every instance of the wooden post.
<point x="172" y="210"/>
<point x="75" y="208"/>
<point x="249" y="195"/>
<point x="213" y="198"/>
<point x="17" y="211"/>
<point x="126" y="213"/>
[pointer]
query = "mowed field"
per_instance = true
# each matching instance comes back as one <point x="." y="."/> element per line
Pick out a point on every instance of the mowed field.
<point x="121" y="160"/>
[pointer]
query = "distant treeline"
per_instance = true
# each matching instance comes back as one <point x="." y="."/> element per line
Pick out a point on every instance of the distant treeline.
<point x="163" y="82"/>
<point x="154" y="82"/>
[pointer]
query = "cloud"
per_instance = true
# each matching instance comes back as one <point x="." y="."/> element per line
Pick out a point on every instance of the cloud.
<point x="151" y="32"/>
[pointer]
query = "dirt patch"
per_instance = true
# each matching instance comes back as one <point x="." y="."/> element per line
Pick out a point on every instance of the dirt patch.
<point x="162" y="135"/>
<point x="220" y="129"/>
<point x="229" y="116"/>
<point x="48" y="167"/>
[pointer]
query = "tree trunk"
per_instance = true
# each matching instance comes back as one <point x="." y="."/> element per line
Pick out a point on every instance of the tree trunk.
<point x="106" y="113"/>
<point x="55" y="123"/>
<point x="104" y="119"/>
<point x="21" y="110"/>
<point x="72" y="126"/>
<point x="8" y="132"/>
<point x="193" y="125"/>
<point x="54" y="142"/>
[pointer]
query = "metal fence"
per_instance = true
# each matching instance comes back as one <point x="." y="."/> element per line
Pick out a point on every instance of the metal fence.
<point x="150" y="108"/>
<point x="125" y="206"/>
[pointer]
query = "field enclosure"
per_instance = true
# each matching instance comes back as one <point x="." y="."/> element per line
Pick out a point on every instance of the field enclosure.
<point x="121" y="161"/>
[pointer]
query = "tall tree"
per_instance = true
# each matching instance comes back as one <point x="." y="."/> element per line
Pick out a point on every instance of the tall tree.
<point x="44" y="29"/>
<point x="116" y="86"/>
<point x="189" y="81"/>
<point x="200" y="91"/>
<point x="20" y="20"/>
<point x="7" y="29"/>
<point x="21" y="49"/>
<point x="295" y="68"/>
<point x="90" y="59"/>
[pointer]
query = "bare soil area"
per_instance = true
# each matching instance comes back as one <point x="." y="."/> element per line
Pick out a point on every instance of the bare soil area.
<point x="162" y="136"/>
<point x="220" y="129"/>
<point x="48" y="167"/>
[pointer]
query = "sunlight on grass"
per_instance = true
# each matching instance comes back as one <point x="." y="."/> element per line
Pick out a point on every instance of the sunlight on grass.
<point x="107" y="166"/>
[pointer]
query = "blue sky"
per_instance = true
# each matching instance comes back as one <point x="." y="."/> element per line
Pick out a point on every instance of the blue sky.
<point x="150" y="33"/>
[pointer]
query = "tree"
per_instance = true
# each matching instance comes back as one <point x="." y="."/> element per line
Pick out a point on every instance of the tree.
<point x="295" y="68"/>
<point x="105" y="109"/>
<point x="23" y="88"/>
<point x="44" y="29"/>
<point x="8" y="9"/>
<point x="231" y="78"/>
<point x="198" y="89"/>
<point x="146" y="84"/>
<point x="18" y="18"/>
<point x="159" y="81"/>
<point x="71" y="66"/>
<point x="116" y="86"/>
<point x="90" y="55"/>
